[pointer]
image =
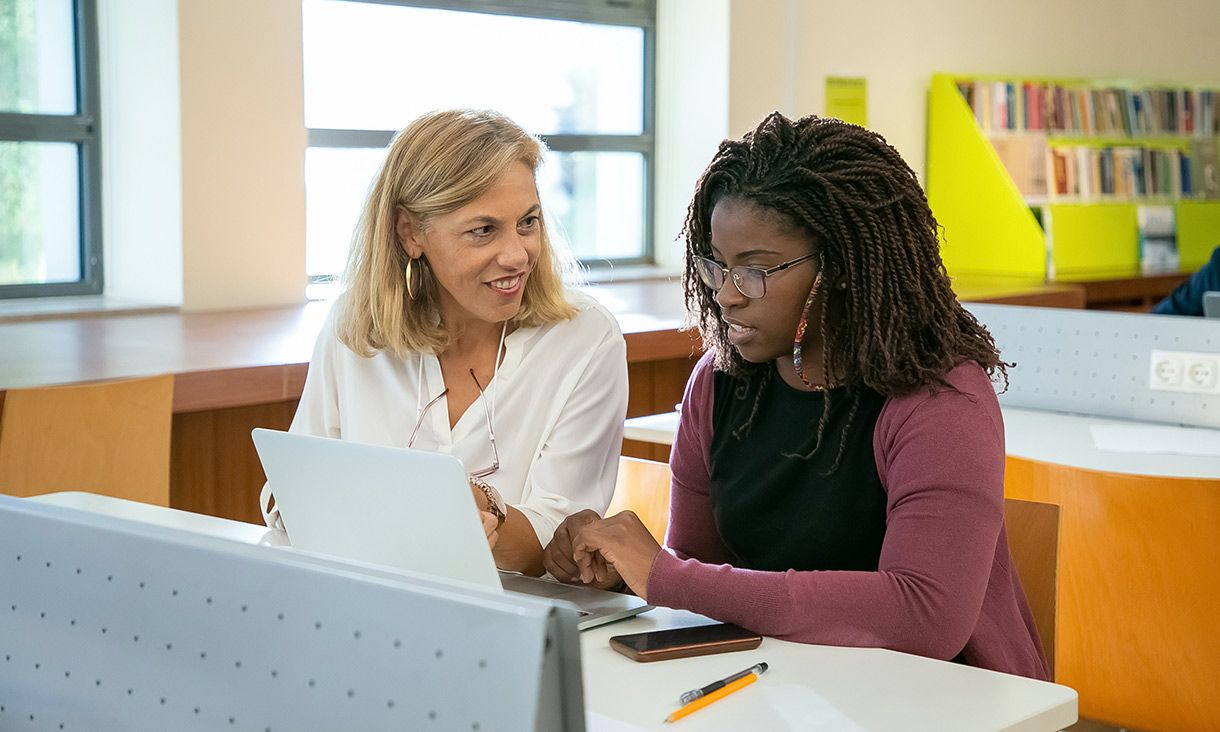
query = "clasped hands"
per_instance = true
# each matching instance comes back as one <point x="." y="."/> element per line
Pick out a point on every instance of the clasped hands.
<point x="603" y="553"/>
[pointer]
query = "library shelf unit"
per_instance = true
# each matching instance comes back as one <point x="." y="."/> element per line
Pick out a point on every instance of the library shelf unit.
<point x="993" y="227"/>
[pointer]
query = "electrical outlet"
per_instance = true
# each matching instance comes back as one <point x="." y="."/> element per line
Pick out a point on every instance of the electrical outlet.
<point x="1166" y="370"/>
<point x="1181" y="371"/>
<point x="1200" y="373"/>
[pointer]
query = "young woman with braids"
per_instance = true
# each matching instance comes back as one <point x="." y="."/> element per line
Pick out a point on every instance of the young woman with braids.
<point x="838" y="467"/>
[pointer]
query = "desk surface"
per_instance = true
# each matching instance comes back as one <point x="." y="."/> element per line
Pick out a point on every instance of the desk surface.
<point x="234" y="358"/>
<point x="1049" y="437"/>
<point x="1066" y="439"/>
<point x="806" y="687"/>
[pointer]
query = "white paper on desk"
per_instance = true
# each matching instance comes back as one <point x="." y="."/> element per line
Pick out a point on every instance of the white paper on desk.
<point x="1156" y="439"/>
<point x="595" y="722"/>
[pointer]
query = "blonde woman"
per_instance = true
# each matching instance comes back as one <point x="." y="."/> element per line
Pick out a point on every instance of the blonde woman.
<point x="456" y="333"/>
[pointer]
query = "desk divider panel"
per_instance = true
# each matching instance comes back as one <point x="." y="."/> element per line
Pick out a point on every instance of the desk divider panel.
<point x="1097" y="362"/>
<point x="109" y="624"/>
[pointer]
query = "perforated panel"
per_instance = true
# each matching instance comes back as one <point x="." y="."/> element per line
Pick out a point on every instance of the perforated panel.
<point x="1091" y="362"/>
<point x="107" y="624"/>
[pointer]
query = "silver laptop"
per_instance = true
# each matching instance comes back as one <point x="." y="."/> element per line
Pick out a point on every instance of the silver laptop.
<point x="1211" y="304"/>
<point x="402" y="508"/>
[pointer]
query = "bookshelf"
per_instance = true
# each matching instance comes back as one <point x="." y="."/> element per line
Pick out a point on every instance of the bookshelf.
<point x="1045" y="177"/>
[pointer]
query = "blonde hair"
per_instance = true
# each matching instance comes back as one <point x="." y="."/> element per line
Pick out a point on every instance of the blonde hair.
<point x="439" y="163"/>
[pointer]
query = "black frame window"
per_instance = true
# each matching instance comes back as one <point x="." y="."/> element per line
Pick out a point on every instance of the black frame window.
<point x="32" y="211"/>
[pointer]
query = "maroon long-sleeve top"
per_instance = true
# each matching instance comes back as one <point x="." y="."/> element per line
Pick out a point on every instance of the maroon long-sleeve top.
<point x="945" y="584"/>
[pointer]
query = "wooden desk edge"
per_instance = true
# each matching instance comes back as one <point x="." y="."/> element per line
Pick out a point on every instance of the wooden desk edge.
<point x="196" y="391"/>
<point x="1062" y="296"/>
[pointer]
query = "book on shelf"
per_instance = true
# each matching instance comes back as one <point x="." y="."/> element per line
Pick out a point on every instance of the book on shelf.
<point x="1024" y="157"/>
<point x="1089" y="174"/>
<point x="1205" y="165"/>
<point x="1080" y="109"/>
<point x="1158" y="239"/>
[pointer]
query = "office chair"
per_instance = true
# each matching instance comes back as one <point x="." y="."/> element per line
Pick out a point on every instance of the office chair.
<point x="111" y="438"/>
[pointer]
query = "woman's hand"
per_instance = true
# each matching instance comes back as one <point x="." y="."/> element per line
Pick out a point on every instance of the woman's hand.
<point x="490" y="526"/>
<point x="618" y="545"/>
<point x="557" y="557"/>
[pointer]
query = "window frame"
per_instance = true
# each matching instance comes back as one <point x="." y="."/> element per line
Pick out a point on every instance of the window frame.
<point x="631" y="13"/>
<point x="84" y="130"/>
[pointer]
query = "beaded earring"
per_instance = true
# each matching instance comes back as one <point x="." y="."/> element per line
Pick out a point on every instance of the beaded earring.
<point x="800" y="335"/>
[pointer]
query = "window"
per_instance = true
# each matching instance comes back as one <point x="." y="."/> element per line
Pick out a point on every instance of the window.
<point x="577" y="73"/>
<point x="50" y="159"/>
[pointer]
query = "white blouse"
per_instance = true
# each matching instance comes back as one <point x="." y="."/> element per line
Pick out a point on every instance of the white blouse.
<point x="558" y="401"/>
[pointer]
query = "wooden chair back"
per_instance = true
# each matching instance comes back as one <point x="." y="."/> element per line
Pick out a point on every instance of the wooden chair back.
<point x="1033" y="541"/>
<point x="111" y="438"/>
<point x="643" y="487"/>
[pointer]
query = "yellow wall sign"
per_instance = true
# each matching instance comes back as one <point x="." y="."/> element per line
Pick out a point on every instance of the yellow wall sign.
<point x="847" y="99"/>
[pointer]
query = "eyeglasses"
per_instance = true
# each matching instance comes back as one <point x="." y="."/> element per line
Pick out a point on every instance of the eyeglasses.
<point x="749" y="281"/>
<point x="495" y="456"/>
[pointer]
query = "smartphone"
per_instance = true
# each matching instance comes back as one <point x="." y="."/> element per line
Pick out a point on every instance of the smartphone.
<point x="700" y="640"/>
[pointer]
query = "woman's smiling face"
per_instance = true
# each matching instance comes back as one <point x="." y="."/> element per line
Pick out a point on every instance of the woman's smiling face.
<point x="482" y="253"/>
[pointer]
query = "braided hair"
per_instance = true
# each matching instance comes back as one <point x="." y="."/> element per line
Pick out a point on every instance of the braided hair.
<point x="890" y="320"/>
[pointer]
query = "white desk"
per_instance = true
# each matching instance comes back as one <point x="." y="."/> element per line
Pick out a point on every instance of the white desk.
<point x="1050" y="437"/>
<point x="658" y="429"/>
<point x="1065" y="439"/>
<point x="806" y="687"/>
<point x="815" y="688"/>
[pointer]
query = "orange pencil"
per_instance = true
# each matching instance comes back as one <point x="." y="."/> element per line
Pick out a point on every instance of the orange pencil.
<point x="720" y="693"/>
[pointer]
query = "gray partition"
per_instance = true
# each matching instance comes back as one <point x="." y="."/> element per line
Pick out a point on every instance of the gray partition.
<point x="1096" y="362"/>
<point x="108" y="624"/>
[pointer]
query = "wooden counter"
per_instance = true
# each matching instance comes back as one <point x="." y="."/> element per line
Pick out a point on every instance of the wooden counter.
<point x="1127" y="290"/>
<point x="1000" y="290"/>
<point x="236" y="370"/>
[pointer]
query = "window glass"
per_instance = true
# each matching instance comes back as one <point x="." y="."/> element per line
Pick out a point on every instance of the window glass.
<point x="337" y="180"/>
<point x="370" y="66"/>
<point x="598" y="199"/>
<point x="37" y="57"/>
<point x="40" y="198"/>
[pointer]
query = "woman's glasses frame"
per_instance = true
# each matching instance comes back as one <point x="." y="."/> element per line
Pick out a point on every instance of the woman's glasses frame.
<point x="491" y="432"/>
<point x="754" y="279"/>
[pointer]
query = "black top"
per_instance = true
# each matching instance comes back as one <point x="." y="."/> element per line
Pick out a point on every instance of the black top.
<point x="776" y="510"/>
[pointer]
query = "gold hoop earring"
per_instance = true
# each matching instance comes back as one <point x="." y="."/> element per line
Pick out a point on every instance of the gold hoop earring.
<point x="410" y="279"/>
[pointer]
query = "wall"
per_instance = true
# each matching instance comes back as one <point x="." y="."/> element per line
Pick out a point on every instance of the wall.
<point x="141" y="150"/>
<point x="692" y="110"/>
<point x="897" y="46"/>
<point x="243" y="153"/>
